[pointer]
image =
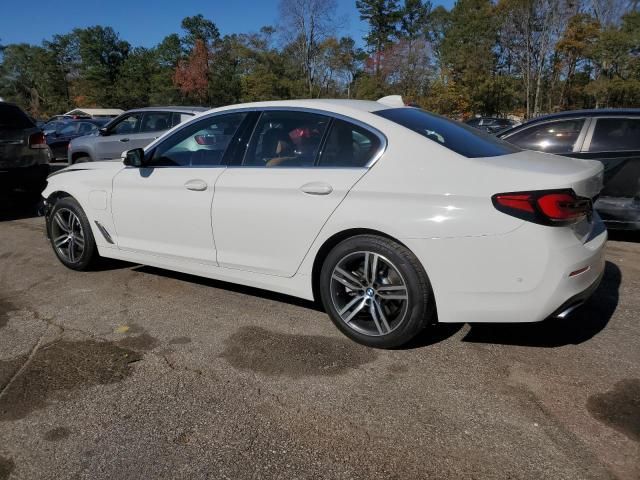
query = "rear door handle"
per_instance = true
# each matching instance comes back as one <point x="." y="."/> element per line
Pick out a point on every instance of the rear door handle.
<point x="196" y="185"/>
<point x="316" y="188"/>
<point x="124" y="139"/>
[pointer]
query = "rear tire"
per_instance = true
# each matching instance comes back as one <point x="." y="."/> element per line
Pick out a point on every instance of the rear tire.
<point x="376" y="291"/>
<point x="70" y="235"/>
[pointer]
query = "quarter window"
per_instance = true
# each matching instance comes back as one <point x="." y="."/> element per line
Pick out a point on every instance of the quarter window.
<point x="348" y="145"/>
<point x="552" y="137"/>
<point x="286" y="139"/>
<point x="202" y="144"/>
<point x="616" y="134"/>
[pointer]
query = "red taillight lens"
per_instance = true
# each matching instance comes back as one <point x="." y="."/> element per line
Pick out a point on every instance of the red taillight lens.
<point x="563" y="206"/>
<point x="555" y="207"/>
<point x="37" y="140"/>
<point x="522" y="202"/>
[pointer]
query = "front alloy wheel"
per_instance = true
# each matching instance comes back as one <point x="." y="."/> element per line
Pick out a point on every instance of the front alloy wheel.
<point x="70" y="234"/>
<point x="67" y="235"/>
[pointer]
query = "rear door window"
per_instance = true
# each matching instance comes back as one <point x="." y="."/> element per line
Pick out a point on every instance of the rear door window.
<point x="286" y="139"/>
<point x="553" y="137"/>
<point x="455" y="136"/>
<point x="616" y="135"/>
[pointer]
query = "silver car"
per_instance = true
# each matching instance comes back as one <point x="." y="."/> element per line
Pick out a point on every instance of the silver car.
<point x="133" y="129"/>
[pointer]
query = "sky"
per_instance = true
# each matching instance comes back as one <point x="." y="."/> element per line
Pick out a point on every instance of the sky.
<point x="145" y="23"/>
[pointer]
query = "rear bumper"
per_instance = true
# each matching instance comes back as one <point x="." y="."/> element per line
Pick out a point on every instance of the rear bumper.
<point x="522" y="276"/>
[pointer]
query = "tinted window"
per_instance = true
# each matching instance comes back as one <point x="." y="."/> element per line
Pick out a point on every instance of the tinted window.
<point x="286" y="139"/>
<point x="456" y="136"/>
<point x="156" y="121"/>
<point x="86" y="128"/>
<point x="552" y="137"/>
<point x="11" y="117"/>
<point x="129" y="124"/>
<point x="348" y="145"/>
<point x="616" y="134"/>
<point x="199" y="145"/>
<point x="69" y="129"/>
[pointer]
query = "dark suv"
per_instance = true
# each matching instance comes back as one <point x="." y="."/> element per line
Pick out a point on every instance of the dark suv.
<point x="24" y="154"/>
<point x="611" y="136"/>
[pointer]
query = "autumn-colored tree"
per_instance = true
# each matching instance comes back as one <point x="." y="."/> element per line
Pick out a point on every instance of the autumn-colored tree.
<point x="192" y="74"/>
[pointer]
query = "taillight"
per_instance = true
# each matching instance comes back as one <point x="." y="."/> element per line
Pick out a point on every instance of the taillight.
<point x="37" y="140"/>
<point x="546" y="207"/>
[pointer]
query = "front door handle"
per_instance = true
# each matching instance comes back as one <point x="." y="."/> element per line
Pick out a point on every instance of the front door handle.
<point x="196" y="185"/>
<point x="124" y="139"/>
<point x="317" y="188"/>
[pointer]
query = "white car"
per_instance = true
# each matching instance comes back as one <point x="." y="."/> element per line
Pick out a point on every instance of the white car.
<point x="392" y="217"/>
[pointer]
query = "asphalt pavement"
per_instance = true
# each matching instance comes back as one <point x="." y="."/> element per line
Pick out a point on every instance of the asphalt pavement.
<point x="135" y="372"/>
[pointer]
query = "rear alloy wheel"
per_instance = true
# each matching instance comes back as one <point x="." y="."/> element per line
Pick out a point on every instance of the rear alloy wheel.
<point x="376" y="291"/>
<point x="70" y="235"/>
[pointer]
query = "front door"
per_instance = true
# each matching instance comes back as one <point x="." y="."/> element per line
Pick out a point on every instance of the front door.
<point x="164" y="208"/>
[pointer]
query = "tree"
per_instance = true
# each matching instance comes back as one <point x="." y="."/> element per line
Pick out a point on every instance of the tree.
<point x="306" y="24"/>
<point x="383" y="17"/>
<point x="198" y="28"/>
<point x="192" y="74"/>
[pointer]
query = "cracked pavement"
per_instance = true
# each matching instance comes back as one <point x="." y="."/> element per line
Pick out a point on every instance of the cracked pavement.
<point x="136" y="372"/>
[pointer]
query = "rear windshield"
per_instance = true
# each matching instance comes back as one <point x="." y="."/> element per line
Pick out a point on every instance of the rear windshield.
<point x="12" y="118"/>
<point x="460" y="138"/>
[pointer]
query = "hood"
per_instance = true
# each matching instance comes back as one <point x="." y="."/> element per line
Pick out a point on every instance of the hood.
<point x="102" y="165"/>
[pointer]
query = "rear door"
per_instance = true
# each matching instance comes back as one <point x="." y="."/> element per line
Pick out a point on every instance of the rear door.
<point x="15" y="129"/>
<point x="298" y="166"/>
<point x="615" y="141"/>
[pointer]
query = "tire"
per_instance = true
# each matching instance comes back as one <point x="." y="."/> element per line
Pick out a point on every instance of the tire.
<point x="70" y="235"/>
<point x="382" y="310"/>
<point x="82" y="159"/>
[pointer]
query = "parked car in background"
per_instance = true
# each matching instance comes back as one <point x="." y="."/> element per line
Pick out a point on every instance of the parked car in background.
<point x="373" y="209"/>
<point x="24" y="154"/>
<point x="491" y="124"/>
<point x="133" y="129"/>
<point x="58" y="140"/>
<point x="611" y="136"/>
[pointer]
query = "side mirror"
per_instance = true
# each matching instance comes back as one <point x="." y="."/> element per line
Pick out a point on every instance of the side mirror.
<point x="133" y="158"/>
<point x="103" y="131"/>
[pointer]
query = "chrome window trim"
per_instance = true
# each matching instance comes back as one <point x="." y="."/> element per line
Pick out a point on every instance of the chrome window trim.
<point x="585" y="134"/>
<point x="586" y="147"/>
<point x="381" y="136"/>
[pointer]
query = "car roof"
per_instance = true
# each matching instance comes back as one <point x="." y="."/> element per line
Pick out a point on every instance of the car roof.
<point x="320" y="104"/>
<point x="169" y="109"/>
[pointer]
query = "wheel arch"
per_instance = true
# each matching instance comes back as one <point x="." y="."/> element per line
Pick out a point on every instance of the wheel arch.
<point x="76" y="155"/>
<point x="331" y="242"/>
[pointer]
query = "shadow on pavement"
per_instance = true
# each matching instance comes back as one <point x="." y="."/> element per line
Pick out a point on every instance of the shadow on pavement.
<point x="624" y="236"/>
<point x="582" y="325"/>
<point x="15" y="205"/>
<point x="233" y="287"/>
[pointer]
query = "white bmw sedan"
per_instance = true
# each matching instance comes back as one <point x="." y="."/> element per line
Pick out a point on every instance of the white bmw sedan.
<point x="392" y="217"/>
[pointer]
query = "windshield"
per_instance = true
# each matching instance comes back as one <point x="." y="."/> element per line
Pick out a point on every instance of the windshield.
<point x="460" y="138"/>
<point x="11" y="117"/>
